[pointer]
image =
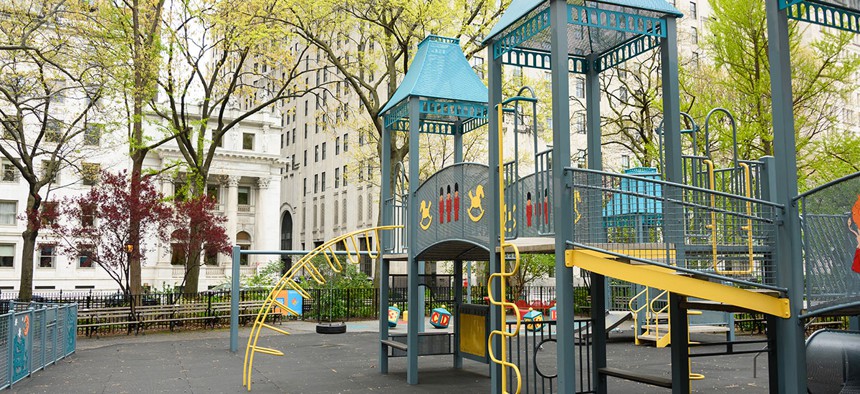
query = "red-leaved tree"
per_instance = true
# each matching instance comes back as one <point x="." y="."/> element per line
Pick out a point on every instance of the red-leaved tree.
<point x="199" y="235"/>
<point x="95" y="227"/>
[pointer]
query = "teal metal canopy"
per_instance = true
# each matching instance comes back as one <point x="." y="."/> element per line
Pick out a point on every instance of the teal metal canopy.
<point x="611" y="30"/>
<point x="450" y="92"/>
<point x="838" y="14"/>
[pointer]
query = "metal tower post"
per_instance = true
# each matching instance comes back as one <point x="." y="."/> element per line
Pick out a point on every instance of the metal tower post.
<point x="562" y="195"/>
<point x="414" y="322"/>
<point x="791" y="360"/>
<point x="495" y="98"/>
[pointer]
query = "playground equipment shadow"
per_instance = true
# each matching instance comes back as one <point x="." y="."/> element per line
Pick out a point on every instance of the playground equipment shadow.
<point x="200" y="361"/>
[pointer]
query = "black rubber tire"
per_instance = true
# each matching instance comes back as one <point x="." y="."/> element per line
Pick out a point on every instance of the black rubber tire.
<point x="331" y="328"/>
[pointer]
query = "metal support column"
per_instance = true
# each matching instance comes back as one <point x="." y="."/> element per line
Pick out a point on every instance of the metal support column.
<point x="671" y="104"/>
<point x="495" y="98"/>
<point x="458" y="300"/>
<point x="383" y="314"/>
<point x="387" y="205"/>
<point x="413" y="324"/>
<point x="598" y="332"/>
<point x="418" y="310"/>
<point x="562" y="198"/>
<point x="234" y="300"/>
<point x="679" y="332"/>
<point x="599" y="289"/>
<point x="791" y="361"/>
<point x="458" y="143"/>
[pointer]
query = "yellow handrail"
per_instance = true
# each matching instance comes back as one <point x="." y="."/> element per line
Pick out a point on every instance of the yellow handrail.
<point x="636" y="311"/>
<point x="713" y="226"/>
<point x="502" y="277"/>
<point x="748" y="228"/>
<point x="656" y="313"/>
<point x="328" y="251"/>
<point x="636" y="297"/>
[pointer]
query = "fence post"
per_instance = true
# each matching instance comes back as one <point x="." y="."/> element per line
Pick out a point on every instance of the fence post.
<point x="347" y="304"/>
<point x="234" y="301"/>
<point x="10" y="352"/>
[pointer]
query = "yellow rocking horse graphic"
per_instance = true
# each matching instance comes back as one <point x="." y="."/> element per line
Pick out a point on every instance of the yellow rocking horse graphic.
<point x="475" y="203"/>
<point x="426" y="218"/>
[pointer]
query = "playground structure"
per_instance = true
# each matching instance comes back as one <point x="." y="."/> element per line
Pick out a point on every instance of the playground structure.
<point x="696" y="237"/>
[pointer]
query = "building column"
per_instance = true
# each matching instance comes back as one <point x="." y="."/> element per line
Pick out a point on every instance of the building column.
<point x="231" y="206"/>
<point x="266" y="216"/>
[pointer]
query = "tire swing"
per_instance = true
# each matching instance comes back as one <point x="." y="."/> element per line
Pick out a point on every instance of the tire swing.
<point x="330" y="327"/>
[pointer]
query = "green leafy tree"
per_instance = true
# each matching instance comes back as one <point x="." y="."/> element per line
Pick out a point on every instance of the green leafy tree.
<point x="223" y="61"/>
<point x="128" y="46"/>
<point x="50" y="91"/>
<point x="367" y="46"/>
<point x="822" y="75"/>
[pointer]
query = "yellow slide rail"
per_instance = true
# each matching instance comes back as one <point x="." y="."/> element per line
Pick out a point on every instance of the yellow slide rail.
<point x="748" y="227"/>
<point x="502" y="277"/>
<point x="306" y="264"/>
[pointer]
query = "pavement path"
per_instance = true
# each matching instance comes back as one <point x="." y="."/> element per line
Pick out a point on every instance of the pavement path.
<point x="200" y="362"/>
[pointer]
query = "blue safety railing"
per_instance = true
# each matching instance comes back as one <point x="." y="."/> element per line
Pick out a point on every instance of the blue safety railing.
<point x="33" y="336"/>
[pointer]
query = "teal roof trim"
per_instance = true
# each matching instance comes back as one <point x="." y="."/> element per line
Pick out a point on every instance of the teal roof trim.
<point x="439" y="71"/>
<point x="516" y="11"/>
<point x="833" y="14"/>
<point x="521" y="8"/>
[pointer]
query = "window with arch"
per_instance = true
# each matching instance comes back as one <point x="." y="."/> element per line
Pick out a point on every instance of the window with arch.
<point x="178" y="254"/>
<point x="335" y="213"/>
<point x="243" y="239"/>
<point x="343" y="211"/>
<point x="369" y="207"/>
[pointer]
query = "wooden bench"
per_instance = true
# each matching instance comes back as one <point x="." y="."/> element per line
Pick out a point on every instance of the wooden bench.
<point x="429" y="344"/>
<point x="95" y="319"/>
<point x="817" y="325"/>
<point x="174" y="315"/>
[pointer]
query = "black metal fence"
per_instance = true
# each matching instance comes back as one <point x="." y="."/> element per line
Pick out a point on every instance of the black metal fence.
<point x="535" y="351"/>
<point x="112" y="299"/>
<point x="210" y="308"/>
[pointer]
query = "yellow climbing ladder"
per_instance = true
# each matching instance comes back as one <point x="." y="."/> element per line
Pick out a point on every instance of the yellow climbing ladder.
<point x="327" y="250"/>
<point x="502" y="277"/>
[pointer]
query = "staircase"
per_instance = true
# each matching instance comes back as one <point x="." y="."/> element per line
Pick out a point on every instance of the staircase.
<point x="656" y="326"/>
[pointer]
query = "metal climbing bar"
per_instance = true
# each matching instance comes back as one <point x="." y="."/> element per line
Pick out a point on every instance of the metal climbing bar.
<point x="502" y="278"/>
<point x="307" y="265"/>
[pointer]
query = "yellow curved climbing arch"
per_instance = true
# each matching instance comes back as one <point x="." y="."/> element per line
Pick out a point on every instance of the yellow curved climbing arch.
<point x="502" y="277"/>
<point x="327" y="250"/>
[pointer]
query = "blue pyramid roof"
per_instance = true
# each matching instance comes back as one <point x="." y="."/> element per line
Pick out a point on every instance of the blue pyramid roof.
<point x="439" y="71"/>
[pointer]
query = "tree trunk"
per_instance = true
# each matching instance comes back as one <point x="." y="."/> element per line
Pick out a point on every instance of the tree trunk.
<point x="34" y="201"/>
<point x="192" y="264"/>
<point x="134" y="269"/>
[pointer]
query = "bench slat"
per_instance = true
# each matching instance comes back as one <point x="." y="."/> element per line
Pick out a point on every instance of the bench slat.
<point x="394" y="344"/>
<point x="637" y="377"/>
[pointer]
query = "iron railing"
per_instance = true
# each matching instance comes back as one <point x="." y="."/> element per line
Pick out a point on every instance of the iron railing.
<point x="534" y="352"/>
<point x="831" y="242"/>
<point x="33" y="336"/>
<point x="708" y="232"/>
<point x="325" y="304"/>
